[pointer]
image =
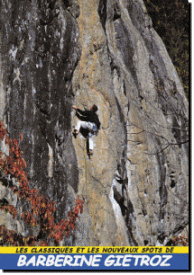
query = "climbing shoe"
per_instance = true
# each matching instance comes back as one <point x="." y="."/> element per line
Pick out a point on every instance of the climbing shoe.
<point x="90" y="153"/>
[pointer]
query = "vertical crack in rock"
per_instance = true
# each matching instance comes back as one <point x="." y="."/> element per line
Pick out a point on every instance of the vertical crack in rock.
<point x="93" y="83"/>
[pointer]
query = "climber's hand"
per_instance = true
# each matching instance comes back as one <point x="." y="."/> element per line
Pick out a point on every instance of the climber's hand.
<point x="74" y="107"/>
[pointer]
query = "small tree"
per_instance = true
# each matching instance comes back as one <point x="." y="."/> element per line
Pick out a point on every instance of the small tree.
<point x="42" y="209"/>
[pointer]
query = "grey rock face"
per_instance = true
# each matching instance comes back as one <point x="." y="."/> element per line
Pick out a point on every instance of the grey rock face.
<point x="125" y="68"/>
<point x="39" y="52"/>
<point x="58" y="53"/>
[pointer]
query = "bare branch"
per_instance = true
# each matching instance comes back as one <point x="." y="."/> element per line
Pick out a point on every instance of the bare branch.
<point x="169" y="144"/>
<point x="137" y="133"/>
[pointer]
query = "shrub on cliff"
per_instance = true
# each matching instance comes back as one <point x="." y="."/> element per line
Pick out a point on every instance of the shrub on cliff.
<point x="41" y="214"/>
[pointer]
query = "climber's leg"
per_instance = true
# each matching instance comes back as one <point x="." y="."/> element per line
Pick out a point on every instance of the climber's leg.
<point x="88" y="126"/>
<point x="91" y="143"/>
<point x="77" y="127"/>
<point x="80" y="124"/>
<point x="85" y="125"/>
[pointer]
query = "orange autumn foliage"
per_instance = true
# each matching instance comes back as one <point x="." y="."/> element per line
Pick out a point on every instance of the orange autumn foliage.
<point x="181" y="241"/>
<point x="42" y="209"/>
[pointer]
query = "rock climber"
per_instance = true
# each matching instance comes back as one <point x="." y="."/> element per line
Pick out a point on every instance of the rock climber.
<point x="89" y="121"/>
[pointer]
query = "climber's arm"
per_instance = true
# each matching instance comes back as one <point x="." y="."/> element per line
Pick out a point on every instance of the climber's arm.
<point x="79" y="110"/>
<point x="83" y="113"/>
<point x="84" y="118"/>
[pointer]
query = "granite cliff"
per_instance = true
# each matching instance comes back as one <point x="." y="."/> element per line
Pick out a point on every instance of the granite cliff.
<point x="55" y="54"/>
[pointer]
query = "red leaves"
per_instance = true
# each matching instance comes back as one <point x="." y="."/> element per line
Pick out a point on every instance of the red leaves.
<point x="79" y="205"/>
<point x="3" y="131"/>
<point x="42" y="210"/>
<point x="29" y="219"/>
<point x="58" y="236"/>
<point x="43" y="243"/>
<point x="73" y="226"/>
<point x="68" y="224"/>
<point x="31" y="241"/>
<point x="181" y="241"/>
<point x="11" y="209"/>
<point x="7" y="139"/>
<point x="14" y="163"/>
<point x="9" y="237"/>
